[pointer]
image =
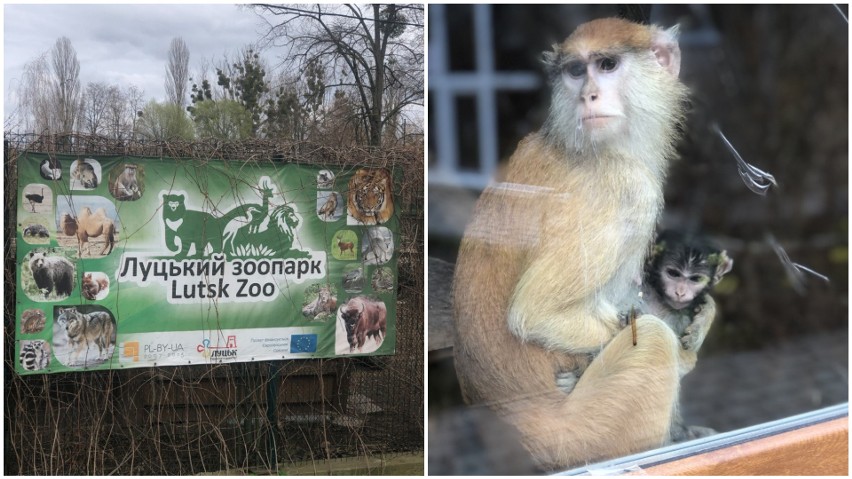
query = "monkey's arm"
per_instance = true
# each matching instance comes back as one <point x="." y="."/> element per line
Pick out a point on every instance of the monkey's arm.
<point x="694" y="335"/>
<point x="559" y="300"/>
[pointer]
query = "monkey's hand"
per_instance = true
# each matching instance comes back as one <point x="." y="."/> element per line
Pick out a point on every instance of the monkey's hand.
<point x="695" y="333"/>
<point x="566" y="380"/>
<point x="624" y="317"/>
<point x="567" y="377"/>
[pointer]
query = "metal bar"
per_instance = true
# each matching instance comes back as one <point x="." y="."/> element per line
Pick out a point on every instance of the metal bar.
<point x="699" y="446"/>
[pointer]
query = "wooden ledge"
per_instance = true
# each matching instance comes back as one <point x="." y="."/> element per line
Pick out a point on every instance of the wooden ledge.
<point x="808" y="444"/>
<point x="817" y="450"/>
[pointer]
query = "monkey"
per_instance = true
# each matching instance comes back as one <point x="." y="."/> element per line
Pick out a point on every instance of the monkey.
<point x="553" y="250"/>
<point x="127" y="185"/>
<point x="678" y="276"/>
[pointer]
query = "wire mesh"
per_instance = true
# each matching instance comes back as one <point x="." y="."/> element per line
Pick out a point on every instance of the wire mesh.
<point x="205" y="418"/>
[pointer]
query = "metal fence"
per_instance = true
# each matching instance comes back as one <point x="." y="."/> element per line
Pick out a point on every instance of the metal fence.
<point x="195" y="419"/>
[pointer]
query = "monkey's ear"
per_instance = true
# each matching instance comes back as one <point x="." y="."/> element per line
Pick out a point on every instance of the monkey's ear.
<point x="725" y="266"/>
<point x="550" y="58"/>
<point x="666" y="50"/>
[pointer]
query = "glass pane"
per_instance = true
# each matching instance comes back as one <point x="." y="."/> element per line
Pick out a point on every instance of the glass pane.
<point x="459" y="20"/>
<point x="467" y="133"/>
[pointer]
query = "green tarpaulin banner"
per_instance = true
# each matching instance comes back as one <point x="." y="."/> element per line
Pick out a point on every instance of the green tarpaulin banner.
<point x="132" y="262"/>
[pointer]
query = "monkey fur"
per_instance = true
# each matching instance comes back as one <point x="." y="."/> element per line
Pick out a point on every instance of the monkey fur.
<point x="689" y="256"/>
<point x="553" y="252"/>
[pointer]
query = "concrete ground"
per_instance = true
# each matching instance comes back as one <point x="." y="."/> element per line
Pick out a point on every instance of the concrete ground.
<point x="735" y="390"/>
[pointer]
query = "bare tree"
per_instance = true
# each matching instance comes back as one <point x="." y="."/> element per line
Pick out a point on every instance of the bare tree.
<point x="34" y="96"/>
<point x="135" y="103"/>
<point x="177" y="72"/>
<point x="95" y="104"/>
<point x="116" y="121"/>
<point x="66" y="85"/>
<point x="376" y="47"/>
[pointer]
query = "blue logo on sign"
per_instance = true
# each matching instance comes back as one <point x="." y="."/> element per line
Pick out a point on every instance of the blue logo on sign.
<point x="303" y="343"/>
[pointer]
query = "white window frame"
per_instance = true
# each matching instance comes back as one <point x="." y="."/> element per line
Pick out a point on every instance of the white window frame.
<point x="483" y="83"/>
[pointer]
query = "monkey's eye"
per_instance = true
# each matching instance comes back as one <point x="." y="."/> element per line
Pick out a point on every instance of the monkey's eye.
<point x="607" y="64"/>
<point x="575" y="69"/>
<point x="673" y="273"/>
<point x="696" y="278"/>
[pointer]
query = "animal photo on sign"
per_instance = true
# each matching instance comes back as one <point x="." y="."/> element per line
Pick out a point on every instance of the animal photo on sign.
<point x="320" y="302"/>
<point x="51" y="169"/>
<point x="37" y="198"/>
<point x="85" y="174"/>
<point x="361" y="326"/>
<point x="329" y="205"/>
<point x="127" y="182"/>
<point x="48" y="274"/>
<point x="353" y="278"/>
<point x="95" y="286"/>
<point x="344" y="245"/>
<point x="325" y="179"/>
<point x="35" y="355"/>
<point x="370" y="197"/>
<point x="383" y="280"/>
<point x="83" y="336"/>
<point x="88" y="224"/>
<point x="34" y="228"/>
<point x="377" y="245"/>
<point x="32" y="321"/>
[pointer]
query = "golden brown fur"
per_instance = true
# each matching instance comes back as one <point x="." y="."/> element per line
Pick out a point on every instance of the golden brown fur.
<point x="88" y="225"/>
<point x="553" y="254"/>
<point x="371" y="196"/>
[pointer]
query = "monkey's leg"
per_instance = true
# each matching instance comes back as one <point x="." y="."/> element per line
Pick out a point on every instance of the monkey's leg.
<point x="622" y="404"/>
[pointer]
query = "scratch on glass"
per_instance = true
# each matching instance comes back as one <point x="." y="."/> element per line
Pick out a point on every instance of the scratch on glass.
<point x="757" y="180"/>
<point x="841" y="13"/>
<point x="795" y="271"/>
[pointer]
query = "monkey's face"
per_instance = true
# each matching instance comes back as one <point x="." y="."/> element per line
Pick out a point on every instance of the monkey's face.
<point x="614" y="86"/>
<point x="681" y="286"/>
<point x="595" y="82"/>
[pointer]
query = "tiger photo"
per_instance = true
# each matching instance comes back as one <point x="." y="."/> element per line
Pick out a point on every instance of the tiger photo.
<point x="370" y="197"/>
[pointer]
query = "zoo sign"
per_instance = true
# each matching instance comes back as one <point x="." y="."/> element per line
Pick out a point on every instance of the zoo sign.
<point x="128" y="262"/>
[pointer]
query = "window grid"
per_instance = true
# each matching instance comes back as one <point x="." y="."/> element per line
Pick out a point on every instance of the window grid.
<point x="445" y="85"/>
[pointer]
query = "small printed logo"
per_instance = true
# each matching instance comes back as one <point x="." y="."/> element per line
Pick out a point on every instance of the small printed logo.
<point x="221" y="353"/>
<point x="303" y="343"/>
<point x="131" y="350"/>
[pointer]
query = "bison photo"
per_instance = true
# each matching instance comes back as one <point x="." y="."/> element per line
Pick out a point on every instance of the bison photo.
<point x="364" y="322"/>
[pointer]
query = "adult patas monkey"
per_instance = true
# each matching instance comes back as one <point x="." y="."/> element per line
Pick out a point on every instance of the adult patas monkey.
<point x="553" y="254"/>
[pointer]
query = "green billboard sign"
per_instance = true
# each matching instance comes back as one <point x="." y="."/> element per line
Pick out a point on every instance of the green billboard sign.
<point x="130" y="262"/>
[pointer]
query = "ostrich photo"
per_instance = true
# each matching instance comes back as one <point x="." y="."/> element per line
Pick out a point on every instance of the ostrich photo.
<point x="34" y="198"/>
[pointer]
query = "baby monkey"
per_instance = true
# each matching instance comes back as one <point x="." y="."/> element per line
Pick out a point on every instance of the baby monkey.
<point x="679" y="274"/>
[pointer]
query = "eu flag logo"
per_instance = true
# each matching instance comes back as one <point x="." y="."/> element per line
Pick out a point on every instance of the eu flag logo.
<point x="303" y="343"/>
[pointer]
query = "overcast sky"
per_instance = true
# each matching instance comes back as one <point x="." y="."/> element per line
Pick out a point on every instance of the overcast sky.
<point x="124" y="44"/>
